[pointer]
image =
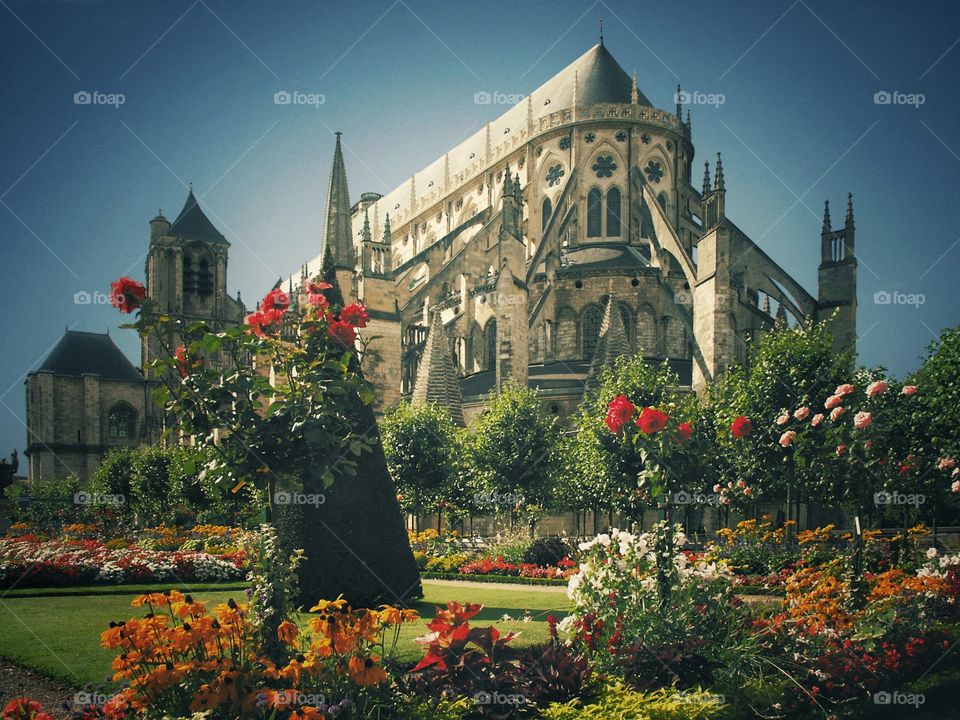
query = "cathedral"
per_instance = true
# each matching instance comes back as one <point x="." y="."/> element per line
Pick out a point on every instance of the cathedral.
<point x="565" y="233"/>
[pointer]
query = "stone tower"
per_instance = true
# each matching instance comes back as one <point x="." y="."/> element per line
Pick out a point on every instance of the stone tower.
<point x="510" y="290"/>
<point x="338" y="249"/>
<point x="837" y="278"/>
<point x="437" y="381"/>
<point x="186" y="275"/>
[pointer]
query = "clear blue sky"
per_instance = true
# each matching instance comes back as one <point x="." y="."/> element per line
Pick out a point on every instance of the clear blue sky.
<point x="79" y="183"/>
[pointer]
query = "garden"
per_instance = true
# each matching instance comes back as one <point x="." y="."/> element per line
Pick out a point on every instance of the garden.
<point x="783" y="546"/>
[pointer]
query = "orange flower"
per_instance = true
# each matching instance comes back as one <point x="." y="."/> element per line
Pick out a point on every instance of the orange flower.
<point x="287" y="632"/>
<point x="366" y="671"/>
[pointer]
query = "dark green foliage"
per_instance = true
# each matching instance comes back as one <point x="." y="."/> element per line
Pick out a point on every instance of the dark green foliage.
<point x="46" y="504"/>
<point x="547" y="551"/>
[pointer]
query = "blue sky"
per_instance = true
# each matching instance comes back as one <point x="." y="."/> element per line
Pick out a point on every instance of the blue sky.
<point x="799" y="123"/>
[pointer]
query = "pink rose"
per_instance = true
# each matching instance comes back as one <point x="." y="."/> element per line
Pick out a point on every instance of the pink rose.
<point x="836" y="413"/>
<point x="946" y="464"/>
<point x="740" y="483"/>
<point x="862" y="420"/>
<point x="956" y="486"/>
<point x="877" y="387"/>
<point x="816" y="419"/>
<point x="716" y="488"/>
<point x="833" y="401"/>
<point x="802" y="413"/>
<point x="787" y="438"/>
<point x="844" y="389"/>
<point x="841" y="449"/>
<point x="746" y="491"/>
<point x="783" y="419"/>
<point x="909" y="390"/>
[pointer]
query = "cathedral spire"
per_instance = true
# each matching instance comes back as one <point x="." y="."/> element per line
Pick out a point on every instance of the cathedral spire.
<point x="849" y="220"/>
<point x="436" y="376"/>
<point x="706" y="178"/>
<point x="677" y="101"/>
<point x="718" y="180"/>
<point x="387" y="236"/>
<point x="826" y="216"/>
<point x="338" y="232"/>
<point x="634" y="90"/>
<point x="365" y="233"/>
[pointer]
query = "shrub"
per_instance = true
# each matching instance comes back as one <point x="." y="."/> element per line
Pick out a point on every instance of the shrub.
<point x="511" y="545"/>
<point x="546" y="551"/>
<point x="618" y="701"/>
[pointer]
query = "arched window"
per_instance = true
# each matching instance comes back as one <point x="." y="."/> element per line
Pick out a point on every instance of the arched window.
<point x="204" y="278"/>
<point x="189" y="275"/>
<point x="546" y="212"/>
<point x="121" y="422"/>
<point x="613" y="212"/>
<point x="590" y="331"/>
<point x="662" y="199"/>
<point x="490" y="336"/>
<point x="594" y="203"/>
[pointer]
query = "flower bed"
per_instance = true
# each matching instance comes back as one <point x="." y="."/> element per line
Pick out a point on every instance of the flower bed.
<point x="498" y="566"/>
<point x="31" y="562"/>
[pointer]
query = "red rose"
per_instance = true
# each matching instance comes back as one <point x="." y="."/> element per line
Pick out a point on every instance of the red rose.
<point x="276" y="299"/>
<point x="126" y="294"/>
<point x="685" y="429"/>
<point x="618" y="412"/>
<point x="263" y="321"/>
<point x="651" y="420"/>
<point x="342" y="332"/>
<point x="741" y="427"/>
<point x="183" y="364"/>
<point x="355" y="315"/>
<point x="315" y="296"/>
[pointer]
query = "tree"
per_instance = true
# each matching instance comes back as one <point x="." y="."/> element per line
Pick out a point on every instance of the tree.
<point x="513" y="452"/>
<point x="419" y="444"/>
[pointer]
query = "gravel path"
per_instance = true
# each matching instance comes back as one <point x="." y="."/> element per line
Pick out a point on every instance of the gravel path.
<point x="16" y="681"/>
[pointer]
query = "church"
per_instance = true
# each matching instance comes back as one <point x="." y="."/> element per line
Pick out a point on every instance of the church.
<point x="565" y="233"/>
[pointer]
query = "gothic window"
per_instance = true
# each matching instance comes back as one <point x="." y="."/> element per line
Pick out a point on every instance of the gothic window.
<point x="554" y="174"/>
<point x="613" y="212"/>
<point x="654" y="171"/>
<point x="204" y="278"/>
<point x="546" y="211"/>
<point x="589" y="137"/>
<point x="645" y="139"/>
<point x="121" y="422"/>
<point x="621" y="136"/>
<point x="189" y="275"/>
<point x="590" y="331"/>
<point x="604" y="166"/>
<point x="594" y="208"/>
<point x="490" y="338"/>
<point x="565" y="143"/>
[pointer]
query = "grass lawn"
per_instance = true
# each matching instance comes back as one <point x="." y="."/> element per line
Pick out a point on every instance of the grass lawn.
<point x="59" y="635"/>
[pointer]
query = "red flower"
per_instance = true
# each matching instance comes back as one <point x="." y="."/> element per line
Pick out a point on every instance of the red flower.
<point x="342" y="332"/>
<point x="276" y="299"/>
<point x="741" y="427"/>
<point x="685" y="429"/>
<point x="315" y="296"/>
<point x="651" y="420"/>
<point x="126" y="294"/>
<point x="355" y="314"/>
<point x="183" y="364"/>
<point x="22" y="709"/>
<point x="618" y="412"/>
<point x="262" y="322"/>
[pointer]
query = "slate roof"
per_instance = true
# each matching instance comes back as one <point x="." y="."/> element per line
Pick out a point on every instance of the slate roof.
<point x="80" y="353"/>
<point x="193" y="224"/>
